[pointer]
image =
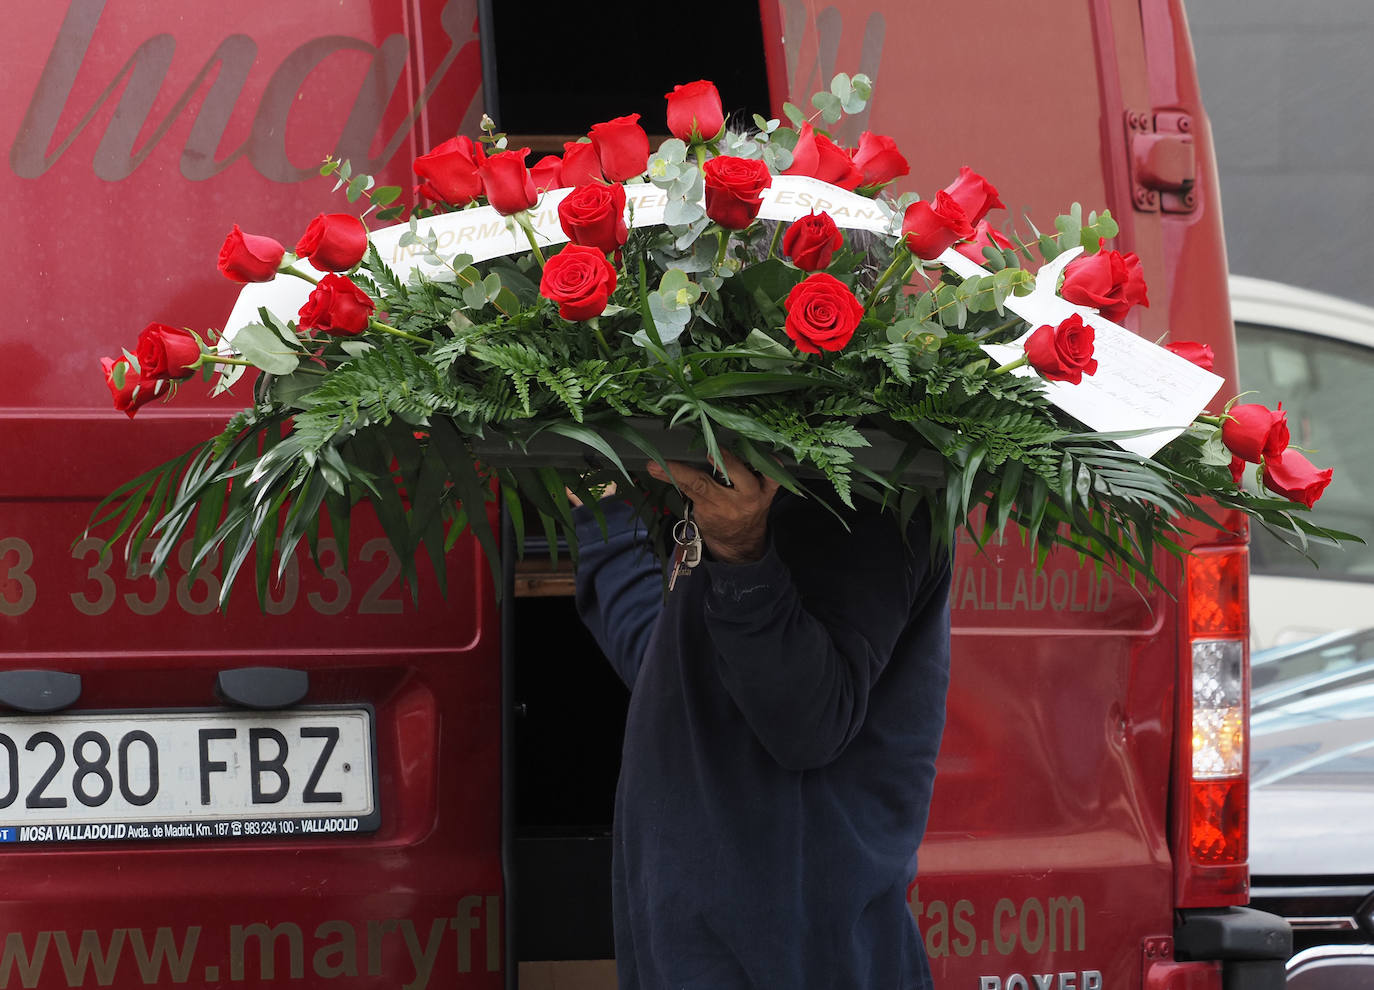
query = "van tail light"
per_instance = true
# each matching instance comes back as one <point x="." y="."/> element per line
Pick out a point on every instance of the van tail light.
<point x="1214" y="702"/>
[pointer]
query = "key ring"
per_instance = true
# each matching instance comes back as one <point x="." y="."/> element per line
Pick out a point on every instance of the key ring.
<point x="684" y="532"/>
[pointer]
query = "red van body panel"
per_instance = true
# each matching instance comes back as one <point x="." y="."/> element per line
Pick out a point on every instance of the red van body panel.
<point x="139" y="133"/>
<point x="1049" y="848"/>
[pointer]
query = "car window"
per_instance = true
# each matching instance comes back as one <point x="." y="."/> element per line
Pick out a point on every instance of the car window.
<point x="1324" y="385"/>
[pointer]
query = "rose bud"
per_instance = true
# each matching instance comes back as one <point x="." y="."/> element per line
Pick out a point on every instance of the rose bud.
<point x="334" y="242"/>
<point x="974" y="194"/>
<point x="621" y="147"/>
<point x="1295" y="478"/>
<point x="547" y="173"/>
<point x="1063" y="353"/>
<point x="821" y="158"/>
<point x="929" y="229"/>
<point x="507" y="182"/>
<point x="594" y="215"/>
<point x="167" y="353"/>
<point x="136" y="390"/>
<point x="694" y="112"/>
<point x="983" y="237"/>
<point x="1252" y="431"/>
<point x="580" y="280"/>
<point x="1108" y="281"/>
<point x="249" y="257"/>
<point x="1190" y="350"/>
<point x="878" y="161"/>
<point x="822" y="314"/>
<point x="580" y="165"/>
<point x="734" y="190"/>
<point x="450" y="171"/>
<point x="811" y="241"/>
<point x="337" y="307"/>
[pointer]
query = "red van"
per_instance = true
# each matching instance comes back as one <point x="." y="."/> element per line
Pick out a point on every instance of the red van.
<point x="440" y="775"/>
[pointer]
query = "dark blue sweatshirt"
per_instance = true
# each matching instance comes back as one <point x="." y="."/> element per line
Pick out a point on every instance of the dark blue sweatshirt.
<point x="779" y="751"/>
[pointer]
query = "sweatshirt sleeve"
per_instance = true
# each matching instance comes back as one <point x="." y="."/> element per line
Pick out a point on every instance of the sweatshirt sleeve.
<point x="619" y="586"/>
<point x="804" y="633"/>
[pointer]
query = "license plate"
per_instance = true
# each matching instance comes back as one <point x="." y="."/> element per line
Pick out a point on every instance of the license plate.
<point x="187" y="775"/>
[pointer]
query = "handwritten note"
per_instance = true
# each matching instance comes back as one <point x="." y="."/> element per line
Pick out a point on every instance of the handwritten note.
<point x="1138" y="385"/>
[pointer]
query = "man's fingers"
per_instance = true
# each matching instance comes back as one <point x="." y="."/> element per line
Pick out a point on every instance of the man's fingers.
<point x="689" y="480"/>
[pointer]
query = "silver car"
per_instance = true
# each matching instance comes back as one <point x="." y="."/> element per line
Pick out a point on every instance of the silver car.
<point x="1314" y="353"/>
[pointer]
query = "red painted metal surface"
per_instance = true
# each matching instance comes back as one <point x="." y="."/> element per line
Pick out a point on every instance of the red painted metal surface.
<point x="137" y="134"/>
<point x="1049" y="849"/>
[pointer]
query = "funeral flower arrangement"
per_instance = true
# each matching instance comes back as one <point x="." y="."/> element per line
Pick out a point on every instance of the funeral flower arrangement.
<point x="537" y="329"/>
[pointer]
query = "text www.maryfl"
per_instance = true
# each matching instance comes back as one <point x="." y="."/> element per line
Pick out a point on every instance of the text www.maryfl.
<point x="412" y="952"/>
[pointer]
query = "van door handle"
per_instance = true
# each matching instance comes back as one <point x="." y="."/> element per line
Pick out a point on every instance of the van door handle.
<point x="262" y="687"/>
<point x="39" y="691"/>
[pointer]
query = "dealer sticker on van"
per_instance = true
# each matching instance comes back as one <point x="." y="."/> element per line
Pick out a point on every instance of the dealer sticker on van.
<point x="179" y="774"/>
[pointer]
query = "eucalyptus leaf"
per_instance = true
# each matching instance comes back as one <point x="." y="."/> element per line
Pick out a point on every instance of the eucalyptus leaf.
<point x="261" y="345"/>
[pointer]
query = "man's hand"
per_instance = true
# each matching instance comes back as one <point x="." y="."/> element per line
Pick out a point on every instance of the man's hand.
<point x="732" y="520"/>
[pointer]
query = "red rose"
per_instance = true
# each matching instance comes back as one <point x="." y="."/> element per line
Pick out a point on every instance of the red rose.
<point x="1063" y="353"/>
<point x="507" y="182"/>
<point x="450" y="171"/>
<point x="1109" y="281"/>
<point x="621" y="146"/>
<point x="811" y="241"/>
<point x="694" y="112"/>
<point x="821" y="158"/>
<point x="1253" y="431"/>
<point x="580" y="164"/>
<point x="879" y="161"/>
<point x="929" y="229"/>
<point x="821" y="313"/>
<point x="547" y="173"/>
<point x="974" y="194"/>
<point x="249" y="257"/>
<point x="734" y="190"/>
<point x="334" y="242"/>
<point x="338" y="307"/>
<point x="983" y="236"/>
<point x="594" y="215"/>
<point x="580" y="280"/>
<point x="1190" y="350"/>
<point x="1237" y="468"/>
<point x="166" y="352"/>
<point x="136" y="390"/>
<point x="1295" y="478"/>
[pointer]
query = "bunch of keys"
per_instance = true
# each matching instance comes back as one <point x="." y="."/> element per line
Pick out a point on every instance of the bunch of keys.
<point x="688" y="552"/>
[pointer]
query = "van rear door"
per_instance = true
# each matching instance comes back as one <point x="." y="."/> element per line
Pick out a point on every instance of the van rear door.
<point x="1048" y="855"/>
<point x="167" y="821"/>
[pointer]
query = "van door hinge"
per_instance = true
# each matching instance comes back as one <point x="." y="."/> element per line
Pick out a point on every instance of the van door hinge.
<point x="1163" y="162"/>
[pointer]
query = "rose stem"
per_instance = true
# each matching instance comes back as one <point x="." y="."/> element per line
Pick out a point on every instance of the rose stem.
<point x="208" y="358"/>
<point x="300" y="274"/>
<point x="777" y="236"/>
<point x="379" y="325"/>
<point x="897" y="262"/>
<point x="600" y="337"/>
<point x="523" y="219"/>
<point x="1020" y="362"/>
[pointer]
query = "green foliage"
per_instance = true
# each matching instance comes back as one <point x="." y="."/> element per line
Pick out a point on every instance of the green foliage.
<point x="475" y="385"/>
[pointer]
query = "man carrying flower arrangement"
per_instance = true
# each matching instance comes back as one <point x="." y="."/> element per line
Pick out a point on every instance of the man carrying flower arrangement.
<point x="786" y="707"/>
